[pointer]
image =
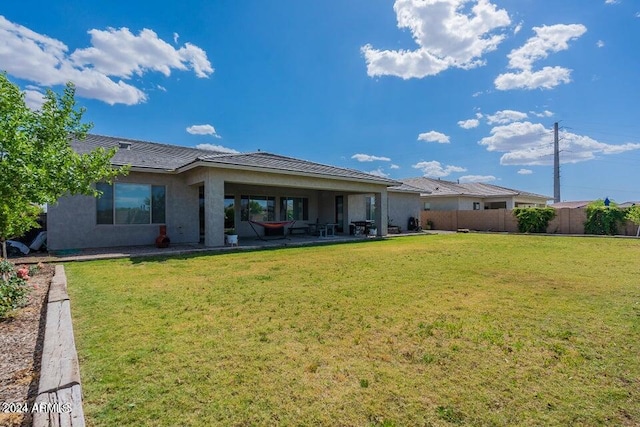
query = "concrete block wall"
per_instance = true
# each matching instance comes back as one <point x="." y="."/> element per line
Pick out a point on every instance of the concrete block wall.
<point x="567" y="221"/>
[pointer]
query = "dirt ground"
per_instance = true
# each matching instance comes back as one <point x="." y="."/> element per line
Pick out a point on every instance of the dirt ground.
<point x="21" y="337"/>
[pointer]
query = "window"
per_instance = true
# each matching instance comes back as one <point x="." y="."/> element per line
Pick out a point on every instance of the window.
<point x="427" y="206"/>
<point x="229" y="212"/>
<point x="128" y="204"/>
<point x="476" y="206"/>
<point x="371" y="208"/>
<point x="257" y="208"/>
<point x="496" y="205"/>
<point x="294" y="208"/>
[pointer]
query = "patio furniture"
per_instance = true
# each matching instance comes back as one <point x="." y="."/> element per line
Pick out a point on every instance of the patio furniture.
<point x="272" y="226"/>
<point x="300" y="229"/>
<point x="362" y="227"/>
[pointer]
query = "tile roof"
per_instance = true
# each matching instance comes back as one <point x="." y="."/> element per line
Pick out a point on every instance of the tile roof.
<point x="141" y="154"/>
<point x="585" y="203"/>
<point x="571" y="205"/>
<point x="439" y="188"/>
<point x="628" y="204"/>
<point x="406" y="188"/>
<point x="263" y="160"/>
<point x="151" y="155"/>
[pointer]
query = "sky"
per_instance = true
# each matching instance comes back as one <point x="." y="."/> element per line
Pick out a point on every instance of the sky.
<point x="462" y="90"/>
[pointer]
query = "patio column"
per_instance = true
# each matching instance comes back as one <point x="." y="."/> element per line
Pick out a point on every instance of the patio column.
<point x="213" y="210"/>
<point x="382" y="218"/>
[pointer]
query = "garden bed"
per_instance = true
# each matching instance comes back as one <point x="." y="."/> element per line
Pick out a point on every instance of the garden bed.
<point x="21" y="337"/>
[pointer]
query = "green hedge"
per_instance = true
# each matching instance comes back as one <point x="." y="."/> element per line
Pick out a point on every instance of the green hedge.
<point x="534" y="220"/>
<point x="603" y="219"/>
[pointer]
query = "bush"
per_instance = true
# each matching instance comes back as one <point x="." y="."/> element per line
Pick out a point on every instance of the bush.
<point x="633" y="215"/>
<point x="603" y="219"/>
<point x="534" y="220"/>
<point x="13" y="289"/>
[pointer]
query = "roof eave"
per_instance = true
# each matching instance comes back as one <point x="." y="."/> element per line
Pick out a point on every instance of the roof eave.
<point x="198" y="163"/>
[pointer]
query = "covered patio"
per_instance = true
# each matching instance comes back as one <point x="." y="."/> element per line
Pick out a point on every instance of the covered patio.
<point x="278" y="204"/>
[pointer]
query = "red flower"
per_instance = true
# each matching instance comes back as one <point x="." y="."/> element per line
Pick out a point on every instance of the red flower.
<point x="23" y="273"/>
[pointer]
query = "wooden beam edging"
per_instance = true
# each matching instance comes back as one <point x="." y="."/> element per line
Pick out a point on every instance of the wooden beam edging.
<point x="59" y="400"/>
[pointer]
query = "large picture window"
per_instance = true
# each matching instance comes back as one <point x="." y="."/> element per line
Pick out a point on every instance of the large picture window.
<point x="127" y="204"/>
<point x="258" y="208"/>
<point x="294" y="208"/>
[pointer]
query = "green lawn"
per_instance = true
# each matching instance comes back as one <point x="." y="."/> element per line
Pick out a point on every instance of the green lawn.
<point x="467" y="329"/>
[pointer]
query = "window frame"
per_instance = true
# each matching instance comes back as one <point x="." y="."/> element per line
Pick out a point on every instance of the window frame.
<point x="270" y="208"/>
<point x="109" y="199"/>
<point x="302" y="208"/>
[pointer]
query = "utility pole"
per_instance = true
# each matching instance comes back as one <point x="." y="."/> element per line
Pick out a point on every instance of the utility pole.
<point x="556" y="164"/>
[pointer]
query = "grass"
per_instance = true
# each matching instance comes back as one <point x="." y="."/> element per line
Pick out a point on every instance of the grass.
<point x="430" y="330"/>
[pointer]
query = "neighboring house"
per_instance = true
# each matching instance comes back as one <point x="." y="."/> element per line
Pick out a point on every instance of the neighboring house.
<point x="584" y="204"/>
<point x="440" y="195"/>
<point x="571" y="205"/>
<point x="628" y="204"/>
<point x="190" y="190"/>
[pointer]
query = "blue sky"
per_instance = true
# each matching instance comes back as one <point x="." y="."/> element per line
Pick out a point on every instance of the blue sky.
<point x="451" y="89"/>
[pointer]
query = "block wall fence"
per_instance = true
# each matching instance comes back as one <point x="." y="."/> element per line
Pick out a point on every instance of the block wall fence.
<point x="567" y="221"/>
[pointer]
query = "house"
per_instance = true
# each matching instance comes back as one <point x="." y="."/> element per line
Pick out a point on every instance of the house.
<point x="441" y="195"/>
<point x="585" y="203"/>
<point x="404" y="205"/>
<point x="571" y="205"/>
<point x="197" y="193"/>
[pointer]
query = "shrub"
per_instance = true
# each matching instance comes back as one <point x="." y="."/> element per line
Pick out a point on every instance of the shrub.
<point x="633" y="215"/>
<point x="534" y="220"/>
<point x="13" y="289"/>
<point x="603" y="219"/>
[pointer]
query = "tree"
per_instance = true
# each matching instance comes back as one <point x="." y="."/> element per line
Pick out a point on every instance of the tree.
<point x="633" y="215"/>
<point x="37" y="163"/>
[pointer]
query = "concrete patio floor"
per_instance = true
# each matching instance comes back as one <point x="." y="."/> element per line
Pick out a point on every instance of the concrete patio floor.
<point x="246" y="243"/>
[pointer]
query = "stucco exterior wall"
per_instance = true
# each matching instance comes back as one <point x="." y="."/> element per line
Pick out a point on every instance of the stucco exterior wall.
<point x="402" y="206"/>
<point x="71" y="223"/>
<point x="441" y="204"/>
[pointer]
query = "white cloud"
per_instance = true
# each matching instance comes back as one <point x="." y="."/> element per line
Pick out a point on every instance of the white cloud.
<point x="525" y="172"/>
<point x="394" y="167"/>
<point x="369" y="158"/>
<point x="545" y="113"/>
<point x="379" y="172"/>
<point x="448" y="33"/>
<point x="203" y="130"/>
<point x="506" y="116"/>
<point x="611" y="1"/>
<point x="433" y="136"/>
<point x="217" y="148"/>
<point x="477" y="178"/>
<point x="100" y="71"/>
<point x="517" y="28"/>
<point x="33" y="97"/>
<point x="548" y="39"/>
<point x="600" y="43"/>
<point x="526" y="143"/>
<point x="176" y="36"/>
<point x="469" y="124"/>
<point x="547" y="78"/>
<point x="434" y="169"/>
